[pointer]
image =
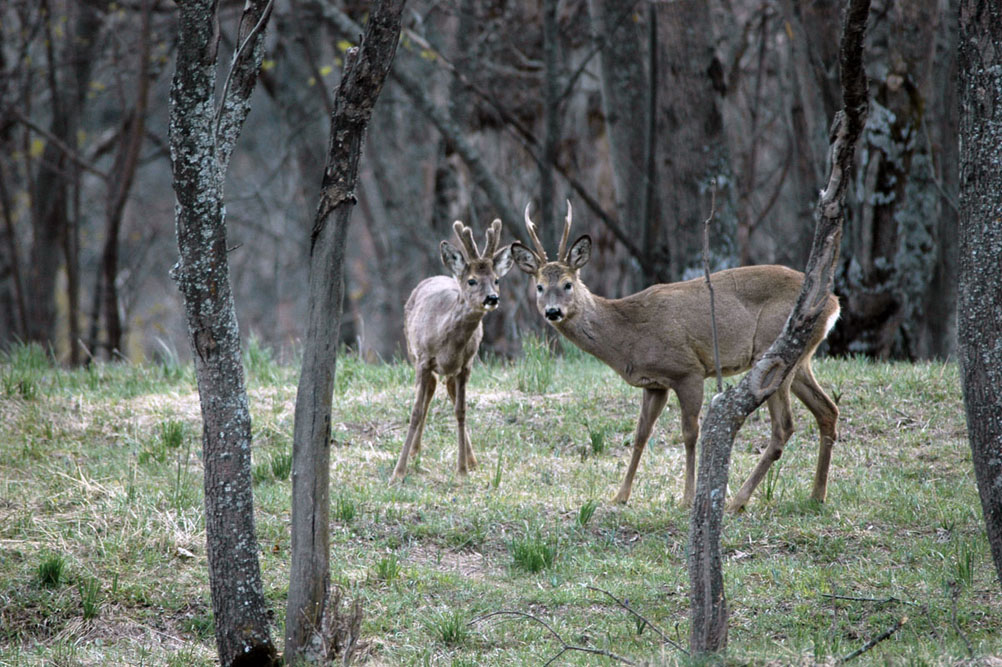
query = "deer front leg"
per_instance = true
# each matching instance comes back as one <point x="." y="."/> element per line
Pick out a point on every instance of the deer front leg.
<point x="450" y="386"/>
<point x="653" y="403"/>
<point x="425" y="382"/>
<point x="466" y="459"/>
<point x="690" y="400"/>
<point x="781" y="418"/>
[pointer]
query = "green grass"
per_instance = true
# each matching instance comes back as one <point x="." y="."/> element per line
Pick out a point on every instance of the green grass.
<point x="100" y="469"/>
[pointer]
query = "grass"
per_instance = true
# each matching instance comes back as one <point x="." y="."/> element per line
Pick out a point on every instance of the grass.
<point x="100" y="470"/>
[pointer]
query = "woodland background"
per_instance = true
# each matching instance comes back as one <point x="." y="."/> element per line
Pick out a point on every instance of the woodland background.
<point x="631" y="115"/>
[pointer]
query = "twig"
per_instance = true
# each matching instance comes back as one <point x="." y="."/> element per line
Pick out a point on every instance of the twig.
<point x="889" y="600"/>
<point x="709" y="285"/>
<point x="876" y="640"/>
<point x="233" y="67"/>
<point x="564" y="646"/>
<point x="627" y="607"/>
<point x="73" y="155"/>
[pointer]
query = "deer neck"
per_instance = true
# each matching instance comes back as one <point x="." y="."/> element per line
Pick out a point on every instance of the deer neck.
<point x="463" y="319"/>
<point x="594" y="328"/>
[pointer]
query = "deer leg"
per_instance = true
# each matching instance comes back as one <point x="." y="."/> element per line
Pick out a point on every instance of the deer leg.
<point x="471" y="460"/>
<point x="416" y="449"/>
<point x="781" y="418"/>
<point x="690" y="399"/>
<point x="466" y="458"/>
<point x="425" y="388"/>
<point x="653" y="403"/>
<point x="810" y="393"/>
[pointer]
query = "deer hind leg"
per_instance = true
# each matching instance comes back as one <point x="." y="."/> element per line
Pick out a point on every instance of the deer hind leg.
<point x="810" y="393"/>
<point x="653" y="403"/>
<point x="690" y="399"/>
<point x="456" y="386"/>
<point x="425" y="389"/>
<point x="781" y="418"/>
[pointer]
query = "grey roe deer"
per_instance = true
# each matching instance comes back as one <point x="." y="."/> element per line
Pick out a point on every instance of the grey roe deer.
<point x="443" y="327"/>
<point x="660" y="338"/>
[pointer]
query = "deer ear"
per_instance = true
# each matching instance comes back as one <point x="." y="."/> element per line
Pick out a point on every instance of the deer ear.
<point x="524" y="258"/>
<point x="453" y="259"/>
<point x="502" y="261"/>
<point x="580" y="252"/>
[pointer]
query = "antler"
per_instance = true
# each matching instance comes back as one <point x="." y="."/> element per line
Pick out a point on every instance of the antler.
<point x="493" y="238"/>
<point x="531" y="228"/>
<point x="465" y="236"/>
<point x="562" y="251"/>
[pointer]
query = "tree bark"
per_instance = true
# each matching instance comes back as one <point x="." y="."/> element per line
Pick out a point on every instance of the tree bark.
<point x="200" y="158"/>
<point x="691" y="127"/>
<point x="980" y="300"/>
<point x="365" y="71"/>
<point x="729" y="410"/>
<point x="626" y="86"/>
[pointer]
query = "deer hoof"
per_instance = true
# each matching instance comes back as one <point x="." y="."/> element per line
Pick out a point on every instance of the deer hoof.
<point x="735" y="507"/>
<point x="397" y="478"/>
<point x="620" y="498"/>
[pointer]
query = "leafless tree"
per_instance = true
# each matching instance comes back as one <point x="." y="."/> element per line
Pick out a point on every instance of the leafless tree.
<point x="729" y="410"/>
<point x="203" y="135"/>
<point x="365" y="71"/>
<point x="980" y="317"/>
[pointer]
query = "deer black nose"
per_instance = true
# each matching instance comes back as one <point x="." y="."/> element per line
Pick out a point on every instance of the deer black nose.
<point x="491" y="300"/>
<point x="554" y="314"/>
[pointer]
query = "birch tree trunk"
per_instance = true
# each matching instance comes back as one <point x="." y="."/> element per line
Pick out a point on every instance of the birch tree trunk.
<point x="980" y="295"/>
<point x="365" y="71"/>
<point x="729" y="410"/>
<point x="201" y="144"/>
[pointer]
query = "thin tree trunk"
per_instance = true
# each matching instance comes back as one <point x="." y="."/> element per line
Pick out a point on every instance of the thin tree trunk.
<point x="729" y="410"/>
<point x="200" y="157"/>
<point x="50" y="195"/>
<point x="551" y="122"/>
<point x="365" y="71"/>
<point x="124" y="172"/>
<point x="979" y="316"/>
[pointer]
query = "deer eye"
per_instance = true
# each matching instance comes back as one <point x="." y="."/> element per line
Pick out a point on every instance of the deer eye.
<point x="495" y="281"/>
<point x="567" y="287"/>
<point x="539" y="288"/>
<point x="471" y="282"/>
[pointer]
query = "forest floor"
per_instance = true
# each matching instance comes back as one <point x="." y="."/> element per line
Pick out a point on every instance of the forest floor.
<point x="102" y="539"/>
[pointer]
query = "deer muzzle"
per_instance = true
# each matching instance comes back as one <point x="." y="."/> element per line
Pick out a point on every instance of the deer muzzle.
<point x="491" y="301"/>
<point x="554" y="314"/>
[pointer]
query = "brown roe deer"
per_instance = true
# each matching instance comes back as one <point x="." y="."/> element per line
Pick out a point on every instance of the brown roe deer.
<point x="660" y="338"/>
<point x="442" y="324"/>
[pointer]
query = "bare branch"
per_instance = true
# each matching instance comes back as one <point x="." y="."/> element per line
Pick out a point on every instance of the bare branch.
<point x="564" y="646"/>
<point x="664" y="637"/>
<point x="876" y="640"/>
<point x="58" y="143"/>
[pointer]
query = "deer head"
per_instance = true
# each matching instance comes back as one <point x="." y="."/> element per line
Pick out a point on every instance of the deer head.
<point x="559" y="291"/>
<point x="477" y="273"/>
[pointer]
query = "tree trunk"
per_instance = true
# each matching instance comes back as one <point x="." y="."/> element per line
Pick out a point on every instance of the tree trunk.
<point x="365" y="71"/>
<point x="124" y="170"/>
<point x="729" y="410"/>
<point x="625" y="89"/>
<point x="690" y="127"/>
<point x="200" y="158"/>
<point x="979" y="314"/>
<point x="50" y="196"/>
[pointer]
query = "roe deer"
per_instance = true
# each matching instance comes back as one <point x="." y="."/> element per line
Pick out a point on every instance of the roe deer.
<point x="660" y="338"/>
<point x="443" y="328"/>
